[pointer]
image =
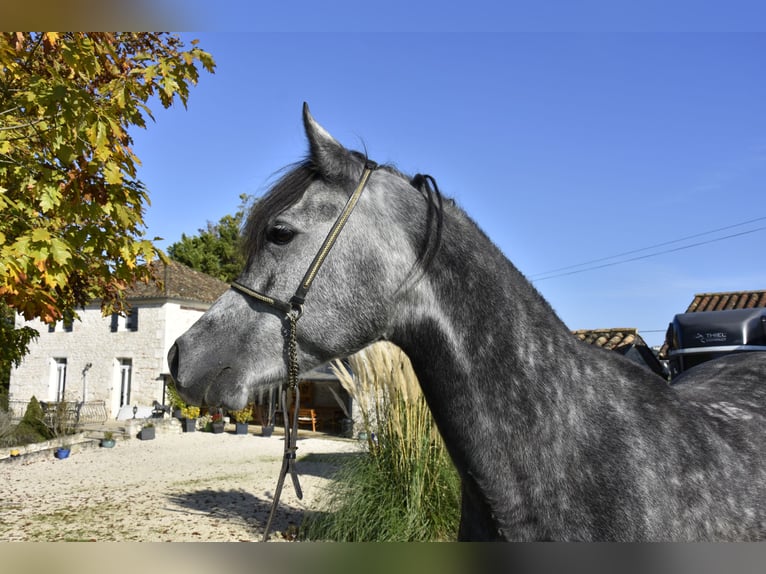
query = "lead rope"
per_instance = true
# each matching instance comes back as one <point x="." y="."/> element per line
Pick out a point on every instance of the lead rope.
<point x="291" y="394"/>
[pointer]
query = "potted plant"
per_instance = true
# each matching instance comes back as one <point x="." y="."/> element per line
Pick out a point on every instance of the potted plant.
<point x="147" y="432"/>
<point x="217" y="423"/>
<point x="176" y="402"/>
<point x="108" y="440"/>
<point x="266" y="413"/>
<point x="62" y="451"/>
<point x="189" y="420"/>
<point x="60" y="419"/>
<point x="241" y="418"/>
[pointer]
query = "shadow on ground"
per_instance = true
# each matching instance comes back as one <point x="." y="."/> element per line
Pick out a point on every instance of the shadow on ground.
<point x="323" y="464"/>
<point x="244" y="507"/>
<point x="253" y="509"/>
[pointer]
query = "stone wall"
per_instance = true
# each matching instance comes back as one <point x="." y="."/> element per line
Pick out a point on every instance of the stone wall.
<point x="91" y="341"/>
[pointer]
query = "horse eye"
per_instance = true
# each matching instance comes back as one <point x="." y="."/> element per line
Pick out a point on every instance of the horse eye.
<point x="280" y="234"/>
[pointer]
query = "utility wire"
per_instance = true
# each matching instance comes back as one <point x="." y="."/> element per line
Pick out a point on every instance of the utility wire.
<point x="664" y="243"/>
<point x="699" y="243"/>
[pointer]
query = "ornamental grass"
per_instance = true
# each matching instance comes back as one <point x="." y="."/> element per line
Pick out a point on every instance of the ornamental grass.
<point x="404" y="487"/>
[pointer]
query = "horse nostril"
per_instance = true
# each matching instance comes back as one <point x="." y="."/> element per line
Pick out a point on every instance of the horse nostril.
<point x="173" y="361"/>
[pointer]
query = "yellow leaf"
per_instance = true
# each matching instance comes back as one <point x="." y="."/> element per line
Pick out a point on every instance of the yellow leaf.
<point x="51" y="38"/>
<point x="112" y="173"/>
<point x="40" y="234"/>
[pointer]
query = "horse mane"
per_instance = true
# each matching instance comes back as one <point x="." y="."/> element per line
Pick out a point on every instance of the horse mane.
<point x="291" y="186"/>
<point x="283" y="194"/>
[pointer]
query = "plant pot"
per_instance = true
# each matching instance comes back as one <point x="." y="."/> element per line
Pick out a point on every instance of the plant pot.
<point x="347" y="428"/>
<point x="146" y="433"/>
<point x="240" y="428"/>
<point x="61" y="452"/>
<point x="107" y="442"/>
<point x="267" y="431"/>
<point x="177" y="414"/>
<point x="217" y="428"/>
<point x="189" y="425"/>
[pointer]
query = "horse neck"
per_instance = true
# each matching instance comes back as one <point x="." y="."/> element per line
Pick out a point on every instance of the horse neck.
<point x="485" y="346"/>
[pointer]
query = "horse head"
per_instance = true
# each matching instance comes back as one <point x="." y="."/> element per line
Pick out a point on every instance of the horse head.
<point x="240" y="344"/>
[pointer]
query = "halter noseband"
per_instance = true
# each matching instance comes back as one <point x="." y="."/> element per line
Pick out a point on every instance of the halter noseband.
<point x="293" y="311"/>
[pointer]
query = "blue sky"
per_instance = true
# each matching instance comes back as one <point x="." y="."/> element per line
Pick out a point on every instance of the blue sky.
<point x="565" y="147"/>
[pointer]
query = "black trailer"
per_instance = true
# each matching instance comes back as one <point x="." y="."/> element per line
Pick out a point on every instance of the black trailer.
<point x="694" y="338"/>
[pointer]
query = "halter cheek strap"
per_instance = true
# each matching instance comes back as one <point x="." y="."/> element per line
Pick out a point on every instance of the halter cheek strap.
<point x="293" y="311"/>
<point x="298" y="298"/>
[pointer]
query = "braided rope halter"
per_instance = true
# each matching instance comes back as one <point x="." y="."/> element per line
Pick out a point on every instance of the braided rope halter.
<point x="292" y="311"/>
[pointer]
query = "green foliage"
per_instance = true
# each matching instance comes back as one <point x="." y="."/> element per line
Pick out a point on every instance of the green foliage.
<point x="174" y="399"/>
<point x="406" y="487"/>
<point x="215" y="250"/>
<point x="32" y="427"/>
<point x="71" y="206"/>
<point x="14" y="344"/>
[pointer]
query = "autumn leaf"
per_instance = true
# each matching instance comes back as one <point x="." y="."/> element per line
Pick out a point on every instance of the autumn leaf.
<point x="71" y="208"/>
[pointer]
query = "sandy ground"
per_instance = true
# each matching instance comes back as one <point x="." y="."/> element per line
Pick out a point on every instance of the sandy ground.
<point x="179" y="487"/>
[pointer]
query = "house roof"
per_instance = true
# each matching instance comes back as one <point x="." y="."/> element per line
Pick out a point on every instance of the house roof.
<point x="623" y="340"/>
<point x="728" y="300"/>
<point x="177" y="281"/>
<point x="610" y="338"/>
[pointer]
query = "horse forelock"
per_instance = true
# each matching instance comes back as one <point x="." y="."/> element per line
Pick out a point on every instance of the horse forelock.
<point x="286" y="192"/>
<point x="290" y="188"/>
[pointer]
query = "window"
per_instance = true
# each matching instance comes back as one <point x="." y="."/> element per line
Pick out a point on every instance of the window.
<point x="127" y="323"/>
<point x="125" y="375"/>
<point x="59" y="379"/>
<point x="131" y="320"/>
<point x="67" y="324"/>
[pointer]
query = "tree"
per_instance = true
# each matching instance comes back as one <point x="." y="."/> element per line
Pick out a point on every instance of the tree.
<point x="71" y="206"/>
<point x="216" y="250"/>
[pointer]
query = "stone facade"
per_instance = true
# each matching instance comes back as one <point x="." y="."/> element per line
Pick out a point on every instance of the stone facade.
<point x="118" y="360"/>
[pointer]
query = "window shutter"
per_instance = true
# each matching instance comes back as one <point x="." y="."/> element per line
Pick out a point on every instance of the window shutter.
<point x="115" y="318"/>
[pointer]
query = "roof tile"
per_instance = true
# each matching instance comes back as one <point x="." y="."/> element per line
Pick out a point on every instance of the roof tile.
<point x="177" y="281"/>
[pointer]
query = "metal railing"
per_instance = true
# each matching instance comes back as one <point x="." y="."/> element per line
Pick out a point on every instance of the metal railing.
<point x="76" y="413"/>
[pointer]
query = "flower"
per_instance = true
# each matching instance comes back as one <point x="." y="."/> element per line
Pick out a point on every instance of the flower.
<point x="190" y="412"/>
<point x="243" y="415"/>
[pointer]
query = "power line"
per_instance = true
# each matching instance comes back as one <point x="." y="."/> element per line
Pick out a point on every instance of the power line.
<point x="656" y="245"/>
<point x="613" y="263"/>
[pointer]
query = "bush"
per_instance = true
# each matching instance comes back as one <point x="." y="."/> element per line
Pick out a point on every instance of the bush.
<point x="405" y="488"/>
<point x="30" y="429"/>
<point x="33" y="421"/>
<point x="4" y="398"/>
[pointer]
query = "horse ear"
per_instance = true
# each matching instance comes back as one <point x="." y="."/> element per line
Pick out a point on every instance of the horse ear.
<point x="330" y="157"/>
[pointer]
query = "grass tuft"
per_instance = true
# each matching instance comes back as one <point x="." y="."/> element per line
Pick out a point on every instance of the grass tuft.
<point x="405" y="488"/>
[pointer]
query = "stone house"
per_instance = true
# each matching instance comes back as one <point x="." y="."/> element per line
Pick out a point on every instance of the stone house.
<point x="115" y="360"/>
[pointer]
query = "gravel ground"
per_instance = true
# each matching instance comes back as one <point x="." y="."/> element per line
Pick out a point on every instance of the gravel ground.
<point x="179" y="487"/>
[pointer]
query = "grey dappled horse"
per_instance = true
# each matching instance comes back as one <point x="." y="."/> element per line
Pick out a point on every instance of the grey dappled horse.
<point x="553" y="439"/>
